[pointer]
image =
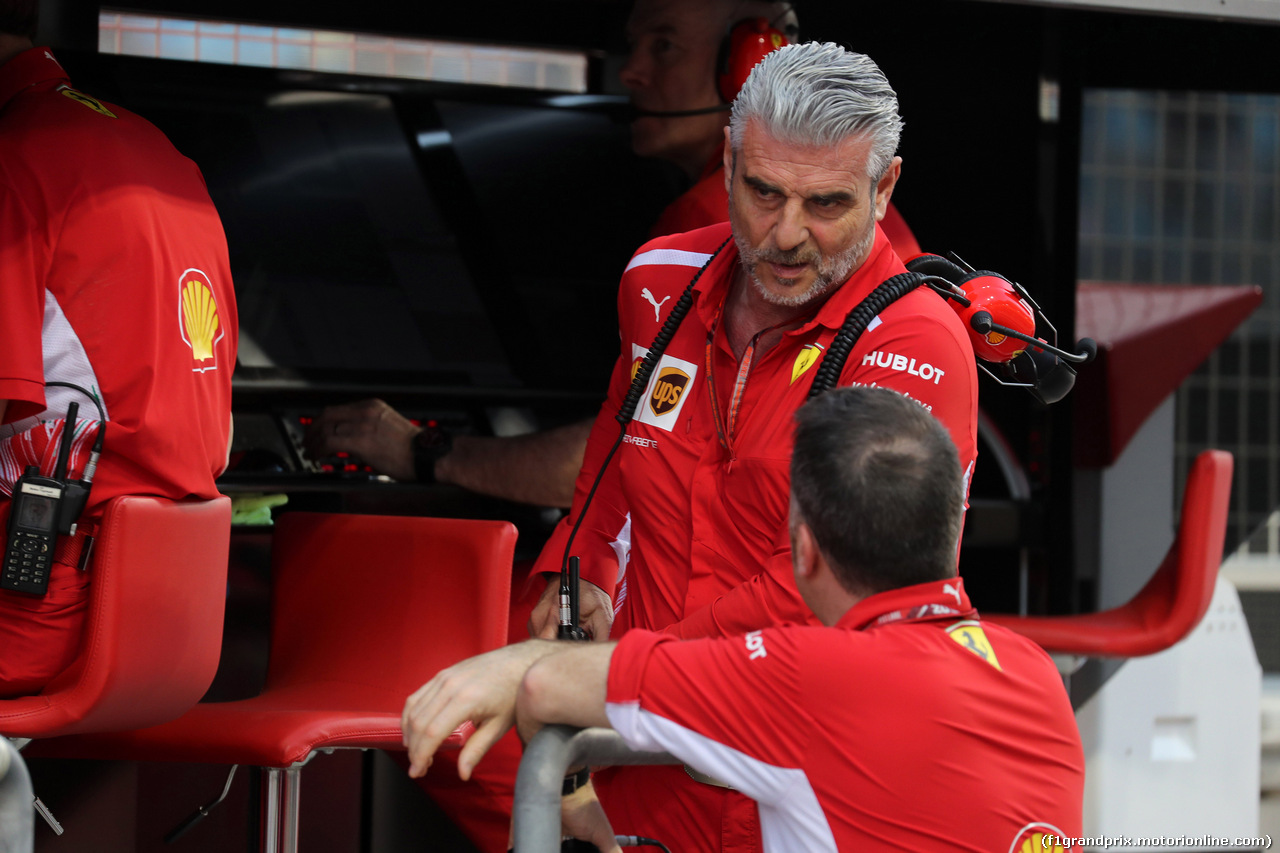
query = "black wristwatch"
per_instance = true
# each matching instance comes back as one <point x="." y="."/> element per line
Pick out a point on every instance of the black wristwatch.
<point x="428" y="445"/>
<point x="574" y="781"/>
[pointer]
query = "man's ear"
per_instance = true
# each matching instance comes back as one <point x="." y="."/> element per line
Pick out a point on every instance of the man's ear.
<point x="884" y="189"/>
<point x="804" y="551"/>
<point x="728" y="161"/>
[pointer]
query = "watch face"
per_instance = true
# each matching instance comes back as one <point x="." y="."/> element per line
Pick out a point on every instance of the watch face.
<point x="432" y="437"/>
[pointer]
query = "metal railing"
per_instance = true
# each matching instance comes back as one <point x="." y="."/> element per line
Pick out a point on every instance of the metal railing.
<point x="552" y="751"/>
<point x="17" y="818"/>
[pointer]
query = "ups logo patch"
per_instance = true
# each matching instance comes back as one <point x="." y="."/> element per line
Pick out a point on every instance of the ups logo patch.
<point x="667" y="390"/>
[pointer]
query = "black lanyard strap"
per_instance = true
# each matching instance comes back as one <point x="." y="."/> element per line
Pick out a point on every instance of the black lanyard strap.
<point x="628" y="408"/>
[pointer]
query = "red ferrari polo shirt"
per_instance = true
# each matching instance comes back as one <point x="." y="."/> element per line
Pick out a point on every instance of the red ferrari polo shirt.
<point x="114" y="276"/>
<point x="910" y="725"/>
<point x="688" y="528"/>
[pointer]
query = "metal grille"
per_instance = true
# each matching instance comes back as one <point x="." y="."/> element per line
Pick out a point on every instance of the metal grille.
<point x="1184" y="187"/>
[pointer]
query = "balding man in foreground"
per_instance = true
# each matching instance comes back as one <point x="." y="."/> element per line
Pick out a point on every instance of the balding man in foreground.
<point x="902" y="723"/>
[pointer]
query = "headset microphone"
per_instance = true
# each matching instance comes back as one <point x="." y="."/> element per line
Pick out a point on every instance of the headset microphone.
<point x="982" y="323"/>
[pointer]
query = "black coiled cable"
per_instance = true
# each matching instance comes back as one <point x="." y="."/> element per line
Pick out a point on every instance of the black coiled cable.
<point x="628" y="408"/>
<point x="884" y="295"/>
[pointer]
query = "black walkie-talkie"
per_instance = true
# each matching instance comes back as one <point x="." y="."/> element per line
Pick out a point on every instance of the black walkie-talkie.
<point x="33" y="533"/>
<point x="42" y="508"/>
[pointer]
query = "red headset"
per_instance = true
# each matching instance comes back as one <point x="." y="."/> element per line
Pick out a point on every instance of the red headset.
<point x="1001" y="317"/>
<point x="742" y="48"/>
<point x="994" y="294"/>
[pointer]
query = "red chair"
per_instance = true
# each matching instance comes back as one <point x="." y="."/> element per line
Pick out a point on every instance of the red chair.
<point x="1172" y="603"/>
<point x="153" y="632"/>
<point x="365" y="609"/>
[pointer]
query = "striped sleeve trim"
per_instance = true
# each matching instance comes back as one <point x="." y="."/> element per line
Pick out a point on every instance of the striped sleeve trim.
<point x="668" y="257"/>
<point x="791" y="818"/>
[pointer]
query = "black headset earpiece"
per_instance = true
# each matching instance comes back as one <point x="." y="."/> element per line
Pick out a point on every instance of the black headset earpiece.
<point x="1051" y="378"/>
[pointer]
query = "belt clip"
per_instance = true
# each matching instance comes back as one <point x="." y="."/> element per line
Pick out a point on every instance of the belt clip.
<point x="86" y="551"/>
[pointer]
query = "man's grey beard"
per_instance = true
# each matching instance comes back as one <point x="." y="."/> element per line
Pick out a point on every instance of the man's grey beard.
<point x="832" y="271"/>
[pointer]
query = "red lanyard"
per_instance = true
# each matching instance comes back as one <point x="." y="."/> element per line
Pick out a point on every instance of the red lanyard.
<point x="724" y="431"/>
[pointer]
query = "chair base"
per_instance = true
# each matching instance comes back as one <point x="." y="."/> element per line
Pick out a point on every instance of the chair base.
<point x="280" y="808"/>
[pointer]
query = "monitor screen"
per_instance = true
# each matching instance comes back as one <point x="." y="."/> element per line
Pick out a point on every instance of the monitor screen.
<point x="448" y="235"/>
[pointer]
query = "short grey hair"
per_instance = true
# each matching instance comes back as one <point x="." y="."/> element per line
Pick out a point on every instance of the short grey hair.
<point x="818" y="93"/>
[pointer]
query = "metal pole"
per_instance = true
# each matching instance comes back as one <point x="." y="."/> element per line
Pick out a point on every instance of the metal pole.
<point x="270" y="810"/>
<point x="291" y="799"/>
<point x="552" y="751"/>
<point x="17" y="818"/>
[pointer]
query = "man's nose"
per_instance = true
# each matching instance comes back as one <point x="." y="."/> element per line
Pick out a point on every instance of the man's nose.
<point x="791" y="228"/>
<point x="635" y="71"/>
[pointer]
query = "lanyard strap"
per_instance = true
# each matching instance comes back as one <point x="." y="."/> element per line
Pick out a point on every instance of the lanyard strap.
<point x="918" y="614"/>
<point x="724" y="431"/>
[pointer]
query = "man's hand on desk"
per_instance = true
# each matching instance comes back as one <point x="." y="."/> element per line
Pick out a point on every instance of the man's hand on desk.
<point x="370" y="430"/>
<point x="595" y="611"/>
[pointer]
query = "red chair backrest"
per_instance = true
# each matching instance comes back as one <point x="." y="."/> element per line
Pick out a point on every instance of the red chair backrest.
<point x="1176" y="597"/>
<point x="153" y="633"/>
<point x="333" y="621"/>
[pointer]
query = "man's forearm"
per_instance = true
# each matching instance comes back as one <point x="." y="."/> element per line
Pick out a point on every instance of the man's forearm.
<point x="567" y="687"/>
<point x="763" y="600"/>
<point x="538" y="468"/>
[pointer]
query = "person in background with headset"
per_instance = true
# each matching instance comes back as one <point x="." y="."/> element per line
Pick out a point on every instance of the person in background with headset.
<point x="863" y="734"/>
<point x="114" y="277"/>
<point x="686" y="62"/>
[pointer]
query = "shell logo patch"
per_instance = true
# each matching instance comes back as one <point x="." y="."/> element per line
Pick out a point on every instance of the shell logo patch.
<point x="671" y="384"/>
<point x="1038" y="838"/>
<point x="89" y="101"/>
<point x="995" y="338"/>
<point x="970" y="635"/>
<point x="807" y="358"/>
<point x="198" y="319"/>
<point x="635" y="366"/>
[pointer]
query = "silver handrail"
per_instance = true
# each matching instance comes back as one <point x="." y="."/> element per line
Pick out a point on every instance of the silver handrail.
<point x="17" y="818"/>
<point x="552" y="751"/>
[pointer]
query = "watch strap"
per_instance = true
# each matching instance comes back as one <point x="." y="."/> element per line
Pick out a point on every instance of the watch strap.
<point x="428" y="445"/>
<point x="574" y="781"/>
